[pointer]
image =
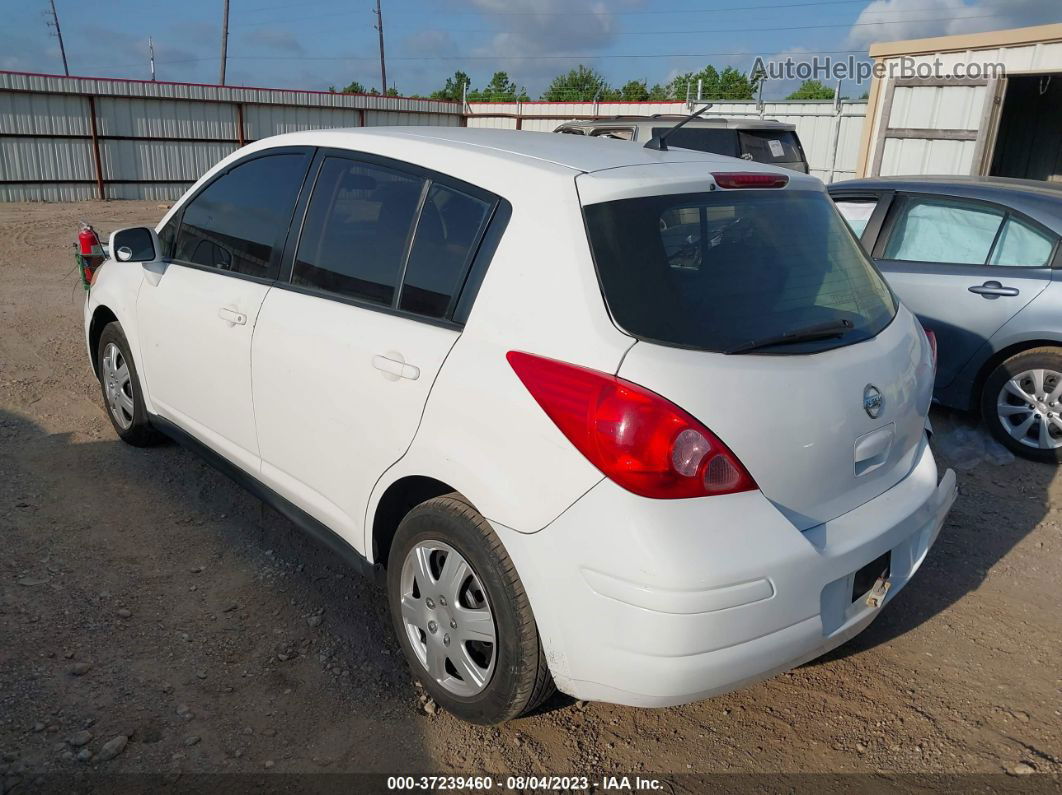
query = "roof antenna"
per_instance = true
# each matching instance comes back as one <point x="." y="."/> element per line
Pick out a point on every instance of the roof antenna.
<point x="659" y="142"/>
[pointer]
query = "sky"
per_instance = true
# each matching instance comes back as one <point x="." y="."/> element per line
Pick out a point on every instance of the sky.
<point x="316" y="44"/>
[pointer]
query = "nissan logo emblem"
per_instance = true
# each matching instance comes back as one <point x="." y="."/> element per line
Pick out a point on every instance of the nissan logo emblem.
<point x="873" y="401"/>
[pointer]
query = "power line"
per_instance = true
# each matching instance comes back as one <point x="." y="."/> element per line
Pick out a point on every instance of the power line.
<point x="577" y="57"/>
<point x="488" y="13"/>
<point x="761" y="28"/>
<point x="659" y="32"/>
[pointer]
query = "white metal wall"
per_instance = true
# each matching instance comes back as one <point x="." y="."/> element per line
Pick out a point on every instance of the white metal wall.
<point x="830" y="131"/>
<point x="154" y="139"/>
<point x="955" y="108"/>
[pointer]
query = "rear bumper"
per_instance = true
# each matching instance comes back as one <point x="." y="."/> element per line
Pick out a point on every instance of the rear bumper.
<point x="652" y="603"/>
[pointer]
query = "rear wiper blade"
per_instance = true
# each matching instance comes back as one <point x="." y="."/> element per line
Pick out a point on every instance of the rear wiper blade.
<point x="820" y="331"/>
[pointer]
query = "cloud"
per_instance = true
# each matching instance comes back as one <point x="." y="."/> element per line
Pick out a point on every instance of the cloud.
<point x="892" y="20"/>
<point x="273" y="40"/>
<point x="526" y="32"/>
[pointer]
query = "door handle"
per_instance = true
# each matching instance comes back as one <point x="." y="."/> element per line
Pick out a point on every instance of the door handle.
<point x="992" y="289"/>
<point x="232" y="316"/>
<point x="395" y="369"/>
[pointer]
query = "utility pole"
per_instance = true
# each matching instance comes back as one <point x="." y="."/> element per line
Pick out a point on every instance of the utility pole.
<point x="59" y="35"/>
<point x="383" y="65"/>
<point x="151" y="56"/>
<point x="224" y="41"/>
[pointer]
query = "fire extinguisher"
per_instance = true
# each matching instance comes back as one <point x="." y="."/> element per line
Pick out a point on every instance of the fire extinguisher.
<point x="89" y="253"/>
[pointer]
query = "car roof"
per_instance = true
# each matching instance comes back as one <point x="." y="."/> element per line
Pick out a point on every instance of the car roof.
<point x="667" y="119"/>
<point x="546" y="150"/>
<point x="1041" y="201"/>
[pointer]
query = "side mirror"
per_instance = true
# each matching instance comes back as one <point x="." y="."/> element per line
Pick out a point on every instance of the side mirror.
<point x="136" y="244"/>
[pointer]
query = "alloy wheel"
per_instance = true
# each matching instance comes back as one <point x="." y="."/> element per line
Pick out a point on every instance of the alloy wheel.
<point x="118" y="386"/>
<point x="1029" y="407"/>
<point x="448" y="619"/>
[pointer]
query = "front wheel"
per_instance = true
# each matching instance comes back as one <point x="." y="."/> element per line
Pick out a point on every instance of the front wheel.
<point x="1022" y="404"/>
<point x="461" y="614"/>
<point x="121" y="389"/>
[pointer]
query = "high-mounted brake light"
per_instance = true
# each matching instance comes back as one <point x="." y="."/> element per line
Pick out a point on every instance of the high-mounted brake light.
<point x="749" y="179"/>
<point x="638" y="439"/>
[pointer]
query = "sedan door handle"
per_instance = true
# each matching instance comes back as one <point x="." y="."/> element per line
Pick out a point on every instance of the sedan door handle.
<point x="993" y="289"/>
<point x="395" y="369"/>
<point x="232" y="316"/>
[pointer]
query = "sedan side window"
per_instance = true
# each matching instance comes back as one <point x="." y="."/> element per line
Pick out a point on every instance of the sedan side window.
<point x="356" y="231"/>
<point x="449" y="229"/>
<point x="929" y="230"/>
<point x="237" y="222"/>
<point x="1021" y="245"/>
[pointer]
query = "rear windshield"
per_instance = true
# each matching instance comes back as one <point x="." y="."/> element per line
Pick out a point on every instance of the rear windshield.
<point x="721" y="141"/>
<point x="715" y="271"/>
<point x="770" y="146"/>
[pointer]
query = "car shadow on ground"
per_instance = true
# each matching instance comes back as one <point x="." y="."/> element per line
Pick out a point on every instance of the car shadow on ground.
<point x="997" y="506"/>
<point x="219" y="638"/>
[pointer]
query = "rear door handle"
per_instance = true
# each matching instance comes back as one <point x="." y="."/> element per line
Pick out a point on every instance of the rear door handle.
<point x="993" y="289"/>
<point x="395" y="369"/>
<point x="232" y="316"/>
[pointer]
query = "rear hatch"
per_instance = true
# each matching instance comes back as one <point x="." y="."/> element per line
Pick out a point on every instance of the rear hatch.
<point x="711" y="282"/>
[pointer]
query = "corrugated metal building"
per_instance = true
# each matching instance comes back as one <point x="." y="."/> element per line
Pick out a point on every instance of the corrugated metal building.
<point x="73" y="138"/>
<point x="944" y="117"/>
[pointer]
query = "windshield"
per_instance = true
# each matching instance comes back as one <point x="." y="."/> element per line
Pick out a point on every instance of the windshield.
<point x="715" y="271"/>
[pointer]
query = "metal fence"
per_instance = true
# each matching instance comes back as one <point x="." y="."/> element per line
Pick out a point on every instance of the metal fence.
<point x="829" y="130"/>
<point x="69" y="139"/>
<point x="76" y="138"/>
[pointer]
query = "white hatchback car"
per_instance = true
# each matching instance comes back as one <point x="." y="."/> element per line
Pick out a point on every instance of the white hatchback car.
<point x="644" y="425"/>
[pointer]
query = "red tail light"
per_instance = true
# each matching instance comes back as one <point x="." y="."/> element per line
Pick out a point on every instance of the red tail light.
<point x="749" y="179"/>
<point x="932" y="337"/>
<point x="638" y="439"/>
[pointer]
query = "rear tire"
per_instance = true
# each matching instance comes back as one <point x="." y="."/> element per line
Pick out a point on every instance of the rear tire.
<point x="120" y="384"/>
<point x="1021" y="406"/>
<point x="507" y="678"/>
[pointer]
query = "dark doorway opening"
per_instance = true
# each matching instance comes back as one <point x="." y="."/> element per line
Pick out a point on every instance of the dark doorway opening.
<point x="1029" y="144"/>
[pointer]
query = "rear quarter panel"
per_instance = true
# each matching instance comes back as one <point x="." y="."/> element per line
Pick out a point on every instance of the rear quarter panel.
<point x="1038" y="323"/>
<point x="481" y="430"/>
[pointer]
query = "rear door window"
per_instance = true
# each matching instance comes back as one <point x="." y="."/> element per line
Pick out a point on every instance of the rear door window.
<point x="1020" y="245"/>
<point x="357" y="230"/>
<point x="238" y="222"/>
<point x="714" y="270"/>
<point x="936" y="230"/>
<point x="702" y="139"/>
<point x="450" y="226"/>
<point x="856" y="213"/>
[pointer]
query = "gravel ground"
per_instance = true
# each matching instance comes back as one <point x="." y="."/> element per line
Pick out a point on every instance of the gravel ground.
<point x="154" y="618"/>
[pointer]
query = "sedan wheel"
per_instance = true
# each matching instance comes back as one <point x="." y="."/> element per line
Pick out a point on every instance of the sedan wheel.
<point x="1021" y="402"/>
<point x="1028" y="407"/>
<point x="448" y="618"/>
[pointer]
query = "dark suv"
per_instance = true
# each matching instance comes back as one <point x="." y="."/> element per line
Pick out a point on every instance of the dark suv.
<point x="762" y="140"/>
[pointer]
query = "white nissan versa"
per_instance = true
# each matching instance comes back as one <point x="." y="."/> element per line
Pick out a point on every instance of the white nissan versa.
<point x="643" y="425"/>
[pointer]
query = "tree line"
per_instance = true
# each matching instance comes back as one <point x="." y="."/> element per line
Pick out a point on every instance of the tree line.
<point x="585" y="84"/>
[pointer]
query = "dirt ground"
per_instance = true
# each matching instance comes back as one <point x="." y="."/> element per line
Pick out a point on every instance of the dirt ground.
<point x="144" y="596"/>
